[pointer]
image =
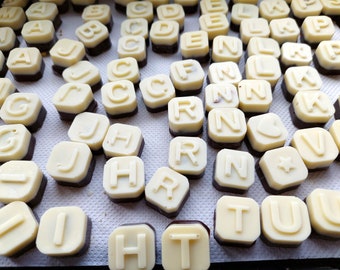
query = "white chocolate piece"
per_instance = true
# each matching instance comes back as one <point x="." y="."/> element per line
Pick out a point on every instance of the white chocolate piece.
<point x="123" y="69"/>
<point x="9" y="39"/>
<point x="185" y="115"/>
<point x="132" y="46"/>
<point x="20" y="180"/>
<point x="21" y="108"/>
<point x="270" y="9"/>
<point x="171" y="12"/>
<point x="302" y="78"/>
<point x="234" y="169"/>
<point x="73" y="98"/>
<point x="37" y="32"/>
<point x="237" y="220"/>
<point x="316" y="147"/>
<point x="255" y="96"/>
<point x="330" y="8"/>
<point x="224" y="72"/>
<point x="226" y="125"/>
<point x="13" y="17"/>
<point x="187" y="75"/>
<point x="137" y="26"/>
<point x="167" y="191"/>
<point x="123" y="178"/>
<point x="140" y="9"/>
<point x="82" y="72"/>
<point x="123" y="140"/>
<point x="18" y="228"/>
<point x="24" y="61"/>
<point x="253" y="2"/>
<point x="264" y="46"/>
<point x="241" y="11"/>
<point x="226" y="48"/>
<point x="313" y="106"/>
<point x="323" y="211"/>
<point x="157" y="91"/>
<point x="317" y="28"/>
<point x="263" y="67"/>
<point x="194" y="44"/>
<point x="92" y="33"/>
<point x="253" y="27"/>
<point x="6" y="88"/>
<point x="119" y="97"/>
<point x="302" y="9"/>
<point x="62" y="231"/>
<point x="14" y="3"/>
<point x="164" y="33"/>
<point x="132" y="247"/>
<point x="220" y="95"/>
<point x="42" y="11"/>
<point x="67" y="52"/>
<point x="188" y="155"/>
<point x="328" y="55"/>
<point x="189" y="243"/>
<point x="89" y="128"/>
<point x="334" y="130"/>
<point x="98" y="12"/>
<point x="283" y="168"/>
<point x="213" y="6"/>
<point x="284" y="30"/>
<point x="214" y="24"/>
<point x="69" y="162"/>
<point x="14" y="142"/>
<point x="266" y="131"/>
<point x="285" y="220"/>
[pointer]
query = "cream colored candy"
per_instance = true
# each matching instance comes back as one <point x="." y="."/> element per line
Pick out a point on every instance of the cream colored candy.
<point x="62" y="231"/>
<point x="8" y="40"/>
<point x="283" y="168"/>
<point x="266" y="131"/>
<point x="92" y="33"/>
<point x="302" y="9"/>
<point x="24" y="61"/>
<point x="263" y="46"/>
<point x="189" y="243"/>
<point x="253" y="27"/>
<point x="89" y="128"/>
<point x="21" y="108"/>
<point x="123" y="69"/>
<point x="224" y="72"/>
<point x="302" y="78"/>
<point x="226" y="125"/>
<point x="157" y="91"/>
<point x="123" y="178"/>
<point x="263" y="67"/>
<point x="270" y="9"/>
<point x="234" y="169"/>
<point x="220" y="95"/>
<point x="330" y="8"/>
<point x="194" y="44"/>
<point x="20" y="180"/>
<point x="317" y="28"/>
<point x="237" y="220"/>
<point x="132" y="46"/>
<point x="241" y="11"/>
<point x="164" y="33"/>
<point x="42" y="11"/>
<point x="255" y="96"/>
<point x="185" y="115"/>
<point x="254" y="2"/>
<point x="140" y="9"/>
<point x="119" y="97"/>
<point x="187" y="75"/>
<point x="167" y="191"/>
<point x="14" y="3"/>
<point x="37" y="32"/>
<point x="69" y="162"/>
<point x="327" y="54"/>
<point x="6" y="88"/>
<point x="123" y="140"/>
<point x="135" y="27"/>
<point x="98" y="12"/>
<point x="157" y="3"/>
<point x="188" y="155"/>
<point x="132" y="247"/>
<point x="171" y="12"/>
<point x="213" y="6"/>
<point x="285" y="220"/>
<point x="284" y="30"/>
<point x="14" y="142"/>
<point x="82" y="72"/>
<point x="226" y="48"/>
<point x="334" y="130"/>
<point x="323" y="211"/>
<point x="67" y="52"/>
<point x="316" y="147"/>
<point x="18" y="228"/>
<point x="73" y="98"/>
<point x="13" y="17"/>
<point x="313" y="106"/>
<point x="214" y="24"/>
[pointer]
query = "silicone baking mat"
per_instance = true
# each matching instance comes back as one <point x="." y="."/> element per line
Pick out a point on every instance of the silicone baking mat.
<point x="106" y="215"/>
